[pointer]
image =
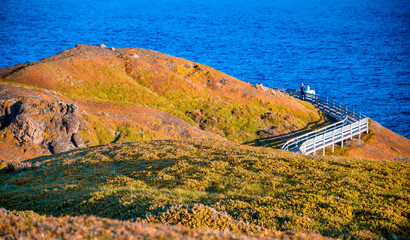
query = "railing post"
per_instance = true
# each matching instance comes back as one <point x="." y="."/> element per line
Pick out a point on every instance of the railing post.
<point x="324" y="144"/>
<point x="345" y="112"/>
<point x="351" y="131"/>
<point x="333" y="141"/>
<point x="314" y="146"/>
<point x="342" y="136"/>
<point x="367" y="125"/>
<point x="360" y="122"/>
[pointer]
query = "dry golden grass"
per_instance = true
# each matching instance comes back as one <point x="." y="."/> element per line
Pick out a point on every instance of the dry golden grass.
<point x="29" y="225"/>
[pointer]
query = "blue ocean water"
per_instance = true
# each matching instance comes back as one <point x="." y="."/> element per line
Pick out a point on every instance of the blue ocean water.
<point x="356" y="52"/>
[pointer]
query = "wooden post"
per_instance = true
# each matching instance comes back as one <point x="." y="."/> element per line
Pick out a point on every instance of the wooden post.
<point x="360" y="122"/>
<point x="367" y="125"/>
<point x="323" y="144"/>
<point x="346" y="111"/>
<point x="351" y="131"/>
<point x="333" y="141"/>
<point x="314" y="146"/>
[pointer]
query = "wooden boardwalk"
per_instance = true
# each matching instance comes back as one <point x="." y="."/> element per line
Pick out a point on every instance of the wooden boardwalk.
<point x="348" y="124"/>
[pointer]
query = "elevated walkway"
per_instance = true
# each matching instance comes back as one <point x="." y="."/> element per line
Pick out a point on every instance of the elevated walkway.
<point x="348" y="124"/>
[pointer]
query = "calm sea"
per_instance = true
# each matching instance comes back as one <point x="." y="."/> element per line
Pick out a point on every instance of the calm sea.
<point x="354" y="51"/>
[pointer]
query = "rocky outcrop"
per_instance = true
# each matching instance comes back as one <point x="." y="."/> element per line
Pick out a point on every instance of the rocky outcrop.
<point x="51" y="125"/>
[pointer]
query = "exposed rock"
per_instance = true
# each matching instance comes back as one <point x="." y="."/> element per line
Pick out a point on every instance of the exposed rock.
<point x="291" y="127"/>
<point x="28" y="129"/>
<point x="261" y="87"/>
<point x="354" y="143"/>
<point x="268" y="133"/>
<point x="52" y="125"/>
<point x="103" y="46"/>
<point x="224" y="81"/>
<point x="268" y="116"/>
<point x="77" y="140"/>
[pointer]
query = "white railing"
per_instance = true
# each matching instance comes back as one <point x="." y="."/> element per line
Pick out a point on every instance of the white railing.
<point x="349" y="124"/>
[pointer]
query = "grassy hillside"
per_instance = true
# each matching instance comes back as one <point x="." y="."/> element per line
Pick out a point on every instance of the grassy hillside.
<point x="24" y="110"/>
<point x="27" y="224"/>
<point x="212" y="184"/>
<point x="193" y="92"/>
<point x="135" y="94"/>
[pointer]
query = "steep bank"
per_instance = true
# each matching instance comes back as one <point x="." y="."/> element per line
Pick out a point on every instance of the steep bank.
<point x="380" y="144"/>
<point x="35" y="122"/>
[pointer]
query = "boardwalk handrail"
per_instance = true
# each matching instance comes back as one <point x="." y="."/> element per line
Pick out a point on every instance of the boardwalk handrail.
<point x="295" y="141"/>
<point x="349" y="123"/>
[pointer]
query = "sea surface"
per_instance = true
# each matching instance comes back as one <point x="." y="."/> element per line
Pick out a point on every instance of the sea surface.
<point x="353" y="51"/>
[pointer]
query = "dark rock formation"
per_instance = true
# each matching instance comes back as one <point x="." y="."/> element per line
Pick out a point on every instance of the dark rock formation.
<point x="269" y="116"/>
<point x="52" y="125"/>
<point x="77" y="140"/>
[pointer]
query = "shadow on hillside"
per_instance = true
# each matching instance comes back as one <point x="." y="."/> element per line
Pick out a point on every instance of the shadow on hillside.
<point x="278" y="140"/>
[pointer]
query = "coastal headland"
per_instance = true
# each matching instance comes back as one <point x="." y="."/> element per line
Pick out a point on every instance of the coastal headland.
<point x="117" y="135"/>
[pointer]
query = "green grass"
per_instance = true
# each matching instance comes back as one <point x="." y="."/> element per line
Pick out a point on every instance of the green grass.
<point x="185" y="182"/>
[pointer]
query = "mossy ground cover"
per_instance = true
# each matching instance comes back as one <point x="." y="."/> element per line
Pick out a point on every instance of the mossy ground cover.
<point x="29" y="225"/>
<point x="218" y="185"/>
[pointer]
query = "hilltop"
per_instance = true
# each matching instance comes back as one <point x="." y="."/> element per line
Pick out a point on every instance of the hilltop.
<point x="135" y="94"/>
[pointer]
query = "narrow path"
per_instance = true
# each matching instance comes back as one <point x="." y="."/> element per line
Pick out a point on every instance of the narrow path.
<point x="279" y="140"/>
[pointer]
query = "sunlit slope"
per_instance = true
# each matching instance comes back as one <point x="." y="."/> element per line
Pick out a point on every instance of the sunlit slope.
<point x="193" y="92"/>
<point x="27" y="224"/>
<point x="190" y="182"/>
